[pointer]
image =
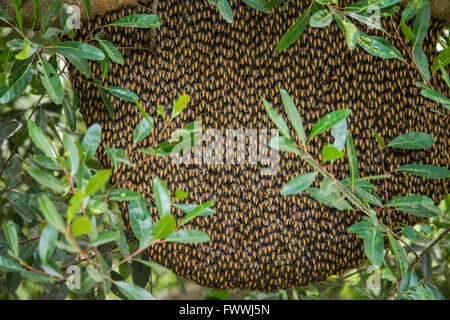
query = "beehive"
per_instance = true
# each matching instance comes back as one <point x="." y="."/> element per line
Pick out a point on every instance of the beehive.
<point x="261" y="240"/>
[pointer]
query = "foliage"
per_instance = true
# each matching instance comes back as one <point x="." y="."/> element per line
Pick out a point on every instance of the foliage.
<point x="60" y="212"/>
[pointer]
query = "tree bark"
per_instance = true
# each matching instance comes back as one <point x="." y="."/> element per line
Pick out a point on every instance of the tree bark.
<point x="439" y="8"/>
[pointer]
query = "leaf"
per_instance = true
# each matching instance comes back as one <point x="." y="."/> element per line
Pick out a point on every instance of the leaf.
<point x="368" y="197"/>
<point x="276" y="118"/>
<point x="80" y="226"/>
<point x="421" y="24"/>
<point x="8" y="128"/>
<point x="188" y="236"/>
<point x="91" y="140"/>
<point x="416" y="205"/>
<point x="74" y="157"/>
<point x="258" y="5"/>
<point x="412" y="140"/>
<point x="162" y="197"/>
<point x="8" y="266"/>
<point x="180" y="195"/>
<point x="98" y="181"/>
<point x="284" y="144"/>
<point x="110" y="49"/>
<point x="79" y="49"/>
<point x="140" y="221"/>
<point x="379" y="47"/>
<point x="122" y="93"/>
<point x="10" y="231"/>
<point x="18" y="82"/>
<point x="225" y="10"/>
<point x="47" y="179"/>
<point x="50" y="14"/>
<point x="293" y="115"/>
<point x="80" y="64"/>
<point x="121" y="194"/>
<point x="51" y="215"/>
<point x="435" y="96"/>
<point x="143" y="129"/>
<point x="295" y="31"/>
<point x="133" y="292"/>
<point x="331" y="153"/>
<point x="409" y="233"/>
<point x="181" y="103"/>
<point x="339" y="133"/>
<point x="117" y="156"/>
<point x="105" y="98"/>
<point x="328" y="122"/>
<point x="39" y="139"/>
<point x="197" y="211"/>
<point x="47" y="243"/>
<point x="138" y="21"/>
<point x="186" y="208"/>
<point x="442" y="60"/>
<point x="421" y="60"/>
<point x="164" y="227"/>
<point x="351" y="34"/>
<point x="374" y="247"/>
<point x="425" y="170"/>
<point x="13" y="172"/>
<point x="87" y="6"/>
<point x="363" y="229"/>
<point x="104" y="238"/>
<point x="399" y="253"/>
<point x="321" y="18"/>
<point x="352" y="158"/>
<point x="69" y="112"/>
<point x="299" y="184"/>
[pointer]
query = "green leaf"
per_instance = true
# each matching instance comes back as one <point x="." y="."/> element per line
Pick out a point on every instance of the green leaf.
<point x="225" y="10"/>
<point x="277" y="119"/>
<point x="138" y="21"/>
<point x="47" y="243"/>
<point x="87" y="6"/>
<point x="197" y="211"/>
<point x="399" y="253"/>
<point x="51" y="215"/>
<point x="180" y="195"/>
<point x="10" y="231"/>
<point x="73" y="155"/>
<point x="69" y="112"/>
<point x="117" y="156"/>
<point x="293" y="115"/>
<point x="91" y="140"/>
<point x="421" y="24"/>
<point x="284" y="144"/>
<point x="39" y="139"/>
<point x="104" y="238"/>
<point x="351" y="34"/>
<point x="425" y="170"/>
<point x="13" y="172"/>
<point x="80" y="64"/>
<point x="331" y="153"/>
<point x="80" y="226"/>
<point x="379" y="47"/>
<point x="186" y="208"/>
<point x="98" y="181"/>
<point x="47" y="179"/>
<point x="299" y="184"/>
<point x="110" y="49"/>
<point x="8" y="266"/>
<point x="416" y="205"/>
<point x="435" y="96"/>
<point x="321" y="18"/>
<point x="121" y="194"/>
<point x="181" y="103"/>
<point x="329" y="121"/>
<point x="412" y="8"/>
<point x="421" y="60"/>
<point x="339" y="133"/>
<point x="352" y="158"/>
<point x="409" y="233"/>
<point x="79" y="49"/>
<point x="143" y="129"/>
<point x="412" y="140"/>
<point x="105" y="98"/>
<point x="368" y="197"/>
<point x="50" y="14"/>
<point x="162" y="197"/>
<point x="18" y="82"/>
<point x="140" y="221"/>
<point x="164" y="227"/>
<point x="442" y="60"/>
<point x="8" y="128"/>
<point x="295" y="31"/>
<point x="188" y="236"/>
<point x="122" y="93"/>
<point x="363" y="229"/>
<point x="374" y="247"/>
<point x="133" y="292"/>
<point x="258" y="5"/>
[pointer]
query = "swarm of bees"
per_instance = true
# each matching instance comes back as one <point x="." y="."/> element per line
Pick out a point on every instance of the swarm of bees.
<point x="261" y="240"/>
